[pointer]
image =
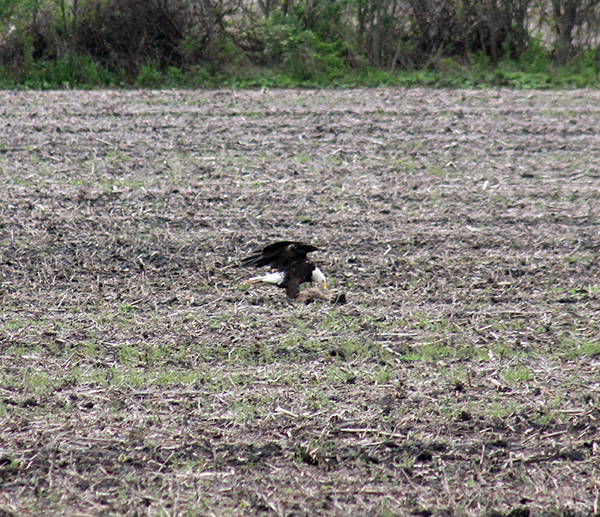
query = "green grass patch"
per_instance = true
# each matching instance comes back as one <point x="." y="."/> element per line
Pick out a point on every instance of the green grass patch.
<point x="315" y="65"/>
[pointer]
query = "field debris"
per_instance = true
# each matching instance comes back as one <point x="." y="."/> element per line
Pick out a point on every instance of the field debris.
<point x="460" y="376"/>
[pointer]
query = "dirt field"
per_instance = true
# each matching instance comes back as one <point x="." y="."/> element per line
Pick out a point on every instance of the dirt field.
<point x="139" y="376"/>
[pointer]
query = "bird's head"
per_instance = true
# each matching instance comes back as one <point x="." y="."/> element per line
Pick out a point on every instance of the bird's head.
<point x="319" y="278"/>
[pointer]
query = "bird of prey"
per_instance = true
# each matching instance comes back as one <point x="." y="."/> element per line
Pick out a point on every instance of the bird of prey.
<point x="291" y="266"/>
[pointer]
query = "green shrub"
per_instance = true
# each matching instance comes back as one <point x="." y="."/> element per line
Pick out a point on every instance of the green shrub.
<point x="301" y="52"/>
<point x="149" y="76"/>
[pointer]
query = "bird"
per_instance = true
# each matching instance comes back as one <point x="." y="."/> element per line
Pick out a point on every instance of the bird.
<point x="291" y="265"/>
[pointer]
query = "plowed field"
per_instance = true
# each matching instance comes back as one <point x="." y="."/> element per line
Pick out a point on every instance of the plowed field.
<point x="140" y="377"/>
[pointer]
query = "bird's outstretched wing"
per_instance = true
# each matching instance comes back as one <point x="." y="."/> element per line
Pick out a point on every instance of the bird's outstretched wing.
<point x="279" y="254"/>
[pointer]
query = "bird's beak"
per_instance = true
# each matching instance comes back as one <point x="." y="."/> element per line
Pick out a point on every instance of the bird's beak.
<point x="324" y="285"/>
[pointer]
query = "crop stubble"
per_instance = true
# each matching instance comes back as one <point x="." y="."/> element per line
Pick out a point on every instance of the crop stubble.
<point x="139" y="377"/>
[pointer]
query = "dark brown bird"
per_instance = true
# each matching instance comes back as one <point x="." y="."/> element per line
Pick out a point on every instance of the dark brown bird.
<point x="291" y="265"/>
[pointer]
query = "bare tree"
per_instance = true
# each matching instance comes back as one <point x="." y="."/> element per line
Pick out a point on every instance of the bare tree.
<point x="568" y="14"/>
<point x="520" y="29"/>
<point x="267" y="6"/>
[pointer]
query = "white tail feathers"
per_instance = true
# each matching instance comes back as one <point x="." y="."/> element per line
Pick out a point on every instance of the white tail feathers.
<point x="271" y="278"/>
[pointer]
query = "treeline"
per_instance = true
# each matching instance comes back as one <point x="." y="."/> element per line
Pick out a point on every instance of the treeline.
<point x="124" y="41"/>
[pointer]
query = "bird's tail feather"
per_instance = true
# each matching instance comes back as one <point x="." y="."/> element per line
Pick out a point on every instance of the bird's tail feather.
<point x="255" y="280"/>
<point x="272" y="278"/>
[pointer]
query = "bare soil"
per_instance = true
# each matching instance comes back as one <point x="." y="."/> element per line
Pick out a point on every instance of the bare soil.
<point x="139" y="376"/>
